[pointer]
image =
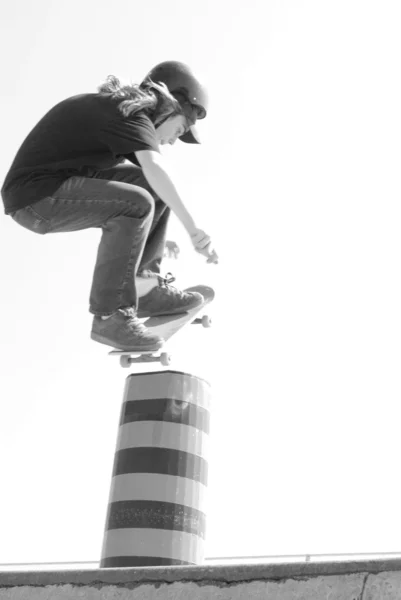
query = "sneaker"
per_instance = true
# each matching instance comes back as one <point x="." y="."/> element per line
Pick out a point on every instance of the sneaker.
<point x="164" y="299"/>
<point x="124" y="331"/>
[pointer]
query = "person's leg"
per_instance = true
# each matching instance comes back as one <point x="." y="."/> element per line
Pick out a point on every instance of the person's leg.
<point x="125" y="214"/>
<point x="111" y="199"/>
<point x="155" y="243"/>
<point x="156" y="295"/>
<point x="154" y="249"/>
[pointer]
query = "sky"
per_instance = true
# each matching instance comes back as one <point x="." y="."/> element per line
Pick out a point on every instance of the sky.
<point x="297" y="181"/>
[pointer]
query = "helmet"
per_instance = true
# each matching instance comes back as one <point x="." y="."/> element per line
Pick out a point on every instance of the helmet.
<point x="186" y="88"/>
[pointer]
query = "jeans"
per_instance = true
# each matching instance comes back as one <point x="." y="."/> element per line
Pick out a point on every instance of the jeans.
<point x="133" y="221"/>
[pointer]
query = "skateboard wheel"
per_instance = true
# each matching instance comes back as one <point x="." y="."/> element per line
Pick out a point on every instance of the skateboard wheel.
<point x="165" y="359"/>
<point x="125" y="361"/>
<point x="206" y="321"/>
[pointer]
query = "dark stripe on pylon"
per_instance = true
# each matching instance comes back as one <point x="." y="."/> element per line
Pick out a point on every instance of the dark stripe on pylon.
<point x="134" y="514"/>
<point x="168" y="410"/>
<point x="160" y="460"/>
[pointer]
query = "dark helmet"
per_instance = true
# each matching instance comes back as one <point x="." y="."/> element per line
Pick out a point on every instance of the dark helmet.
<point x="186" y="88"/>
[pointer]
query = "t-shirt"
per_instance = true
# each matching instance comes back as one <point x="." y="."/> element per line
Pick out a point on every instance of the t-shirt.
<point x="79" y="135"/>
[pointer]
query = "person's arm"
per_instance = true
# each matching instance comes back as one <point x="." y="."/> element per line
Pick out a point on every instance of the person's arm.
<point x="153" y="167"/>
<point x="136" y="140"/>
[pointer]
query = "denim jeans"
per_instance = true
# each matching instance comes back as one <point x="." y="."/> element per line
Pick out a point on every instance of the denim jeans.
<point x="133" y="221"/>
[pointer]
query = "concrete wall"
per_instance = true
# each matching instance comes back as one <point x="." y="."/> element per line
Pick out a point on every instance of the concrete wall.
<point x="362" y="580"/>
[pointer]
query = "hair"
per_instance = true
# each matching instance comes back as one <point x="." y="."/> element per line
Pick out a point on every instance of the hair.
<point x="152" y="98"/>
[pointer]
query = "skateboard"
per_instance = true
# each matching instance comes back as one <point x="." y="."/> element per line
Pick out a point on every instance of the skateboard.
<point x="166" y="326"/>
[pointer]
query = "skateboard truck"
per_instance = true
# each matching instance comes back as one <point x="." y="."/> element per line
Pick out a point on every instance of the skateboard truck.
<point x="128" y="358"/>
<point x="205" y="321"/>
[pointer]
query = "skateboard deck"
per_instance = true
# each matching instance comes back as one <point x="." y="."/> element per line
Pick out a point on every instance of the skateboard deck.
<point x="166" y="326"/>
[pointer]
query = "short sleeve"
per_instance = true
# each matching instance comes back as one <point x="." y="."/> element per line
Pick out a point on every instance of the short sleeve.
<point x="126" y="136"/>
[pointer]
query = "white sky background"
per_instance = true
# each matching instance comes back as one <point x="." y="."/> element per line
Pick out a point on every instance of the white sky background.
<point x="298" y="181"/>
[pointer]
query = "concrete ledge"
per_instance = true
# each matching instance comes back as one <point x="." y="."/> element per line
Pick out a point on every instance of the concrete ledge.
<point x="345" y="580"/>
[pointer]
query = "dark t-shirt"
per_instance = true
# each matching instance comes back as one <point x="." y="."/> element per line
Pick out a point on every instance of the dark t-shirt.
<point x="80" y="135"/>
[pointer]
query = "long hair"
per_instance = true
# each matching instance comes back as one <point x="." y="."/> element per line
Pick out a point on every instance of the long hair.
<point x="152" y="98"/>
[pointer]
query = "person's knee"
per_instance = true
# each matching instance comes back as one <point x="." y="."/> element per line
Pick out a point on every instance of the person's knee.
<point x="143" y="204"/>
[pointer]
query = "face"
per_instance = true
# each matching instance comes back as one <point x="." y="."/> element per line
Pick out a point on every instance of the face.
<point x="170" y="130"/>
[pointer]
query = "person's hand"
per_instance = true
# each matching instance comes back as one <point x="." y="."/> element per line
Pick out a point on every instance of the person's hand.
<point x="171" y="250"/>
<point x="203" y="245"/>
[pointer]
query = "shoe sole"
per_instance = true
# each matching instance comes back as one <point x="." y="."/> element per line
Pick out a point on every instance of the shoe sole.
<point x="177" y="311"/>
<point x="148" y="348"/>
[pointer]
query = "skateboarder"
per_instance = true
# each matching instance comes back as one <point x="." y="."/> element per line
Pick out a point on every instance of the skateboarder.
<point x="94" y="161"/>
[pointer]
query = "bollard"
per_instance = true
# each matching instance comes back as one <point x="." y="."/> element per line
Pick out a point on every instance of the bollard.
<point x="156" y="511"/>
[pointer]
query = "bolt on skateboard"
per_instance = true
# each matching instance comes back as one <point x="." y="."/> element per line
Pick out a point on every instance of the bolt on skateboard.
<point x="166" y="326"/>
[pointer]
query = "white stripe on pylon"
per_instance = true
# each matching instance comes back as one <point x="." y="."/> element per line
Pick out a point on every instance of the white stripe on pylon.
<point x="162" y="434"/>
<point x="162" y="543"/>
<point x="159" y="488"/>
<point x="174" y="386"/>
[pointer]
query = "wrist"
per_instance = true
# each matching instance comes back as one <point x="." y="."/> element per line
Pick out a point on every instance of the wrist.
<point x="191" y="228"/>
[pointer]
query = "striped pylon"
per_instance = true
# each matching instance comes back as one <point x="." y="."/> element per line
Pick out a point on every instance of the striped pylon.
<point x="156" y="506"/>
